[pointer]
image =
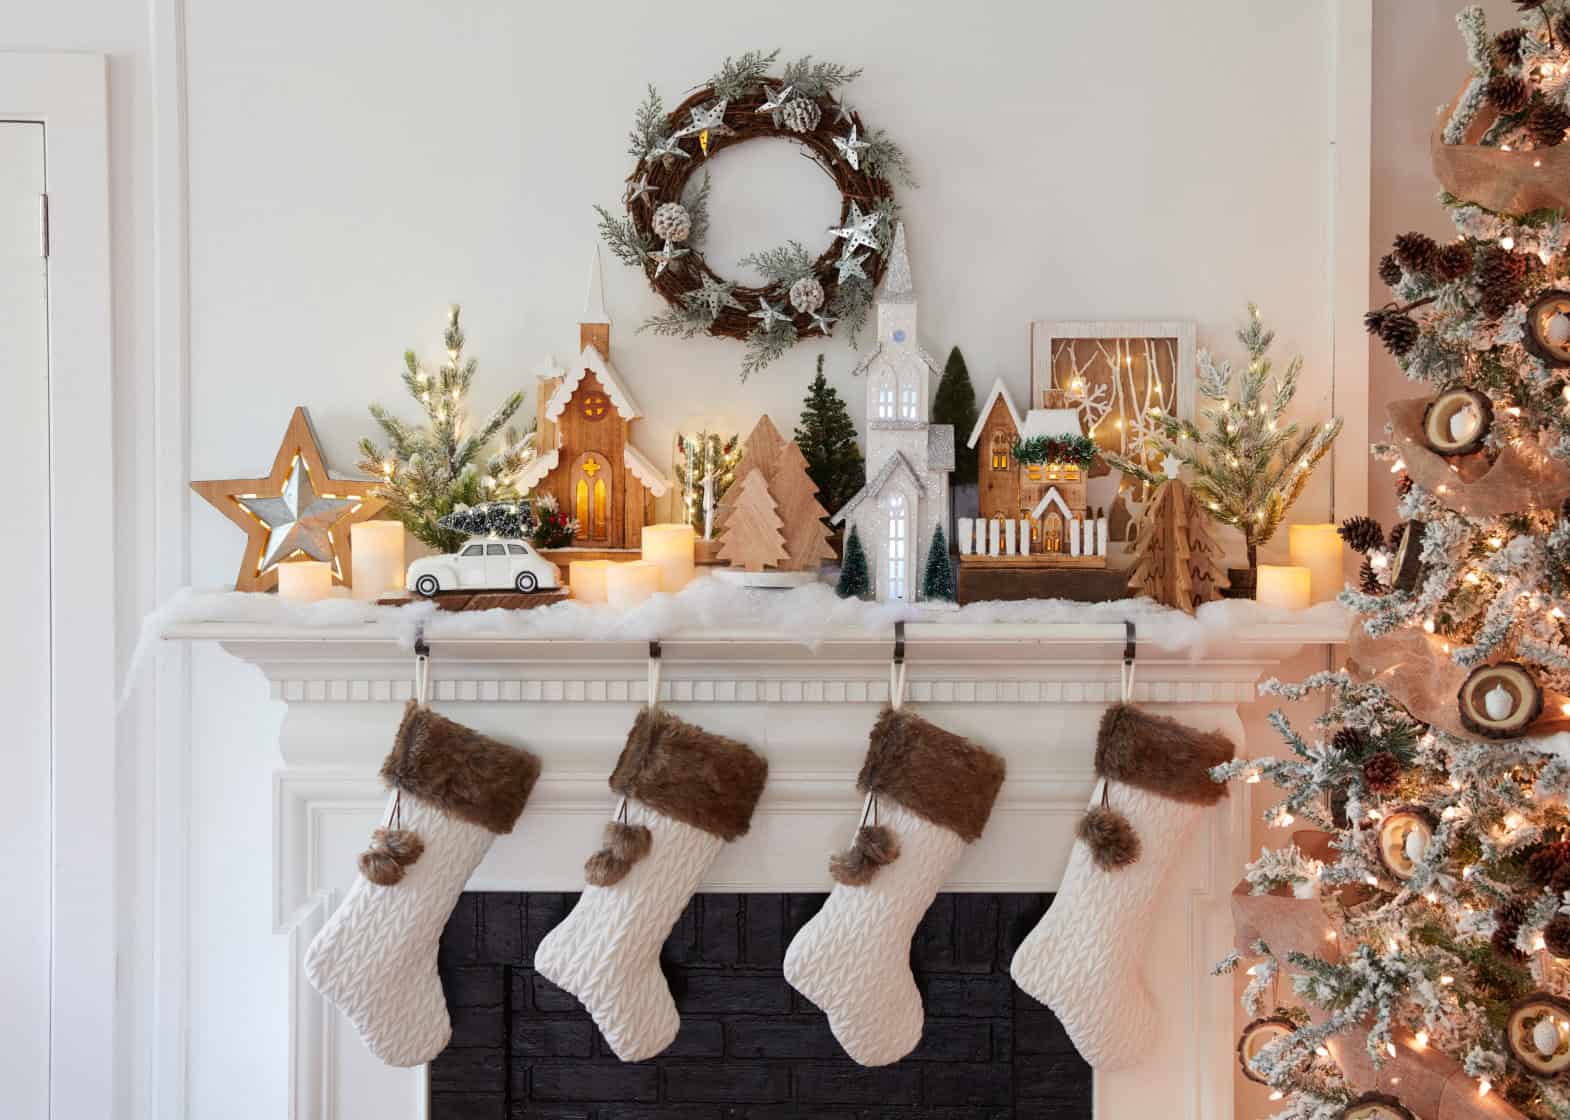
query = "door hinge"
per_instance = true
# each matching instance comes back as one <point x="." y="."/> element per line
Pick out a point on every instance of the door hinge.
<point x="43" y="226"/>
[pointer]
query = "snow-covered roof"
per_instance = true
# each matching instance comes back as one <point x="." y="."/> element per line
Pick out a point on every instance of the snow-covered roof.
<point x="1051" y="498"/>
<point x="538" y="467"/>
<point x="999" y="392"/>
<point x="1051" y="422"/>
<point x="593" y="360"/>
<point x="877" y="351"/>
<point x="896" y="463"/>
<point x="645" y="471"/>
<point x="940" y="447"/>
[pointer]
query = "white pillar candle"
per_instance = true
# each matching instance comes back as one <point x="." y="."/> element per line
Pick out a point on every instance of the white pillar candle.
<point x="964" y="529"/>
<point x="1101" y="536"/>
<point x="305" y="581"/>
<point x="1283" y="585"/>
<point x="376" y="558"/>
<point x="671" y="548"/>
<point x="1319" y="549"/>
<point x="994" y="531"/>
<point x="587" y="580"/>
<point x="1008" y="537"/>
<point x="1073" y="537"/>
<point x="627" y="585"/>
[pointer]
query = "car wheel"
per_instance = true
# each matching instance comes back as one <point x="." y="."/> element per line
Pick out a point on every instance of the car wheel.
<point x="427" y="585"/>
<point x="527" y="582"/>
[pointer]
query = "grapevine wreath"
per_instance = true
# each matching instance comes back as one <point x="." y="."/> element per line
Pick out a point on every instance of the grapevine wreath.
<point x="667" y="207"/>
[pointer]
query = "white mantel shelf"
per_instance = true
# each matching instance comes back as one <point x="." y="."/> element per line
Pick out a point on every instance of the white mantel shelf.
<point x="1032" y="692"/>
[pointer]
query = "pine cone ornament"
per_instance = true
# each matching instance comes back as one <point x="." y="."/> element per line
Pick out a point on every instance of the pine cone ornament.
<point x="801" y="114"/>
<point x="1362" y="534"/>
<point x="672" y="222"/>
<point x="1503" y="942"/>
<point x="1562" y="28"/>
<point x="1509" y="915"/>
<point x="1417" y="252"/>
<point x="1543" y="864"/>
<point x="1455" y="261"/>
<point x="806" y="295"/>
<point x="1368" y="579"/>
<point x="1399" y="331"/>
<point x="1390" y="270"/>
<point x="1499" y="277"/>
<point x="1556" y="936"/>
<point x="1561" y="880"/>
<point x="1382" y="772"/>
<point x="1507" y="46"/>
<point x="1548" y="123"/>
<point x="1507" y="93"/>
<point x="1350" y="741"/>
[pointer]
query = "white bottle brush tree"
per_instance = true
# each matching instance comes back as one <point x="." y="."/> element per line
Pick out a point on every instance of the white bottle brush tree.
<point x="1249" y="464"/>
<point x="429" y="472"/>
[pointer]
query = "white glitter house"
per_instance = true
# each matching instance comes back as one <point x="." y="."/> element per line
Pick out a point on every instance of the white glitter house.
<point x="908" y="459"/>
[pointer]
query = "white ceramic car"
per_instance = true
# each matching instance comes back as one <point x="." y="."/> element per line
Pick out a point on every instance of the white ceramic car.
<point x="485" y="564"/>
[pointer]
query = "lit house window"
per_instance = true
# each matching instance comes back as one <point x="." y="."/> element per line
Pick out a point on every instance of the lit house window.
<point x="1000" y="451"/>
<point x="885" y="399"/>
<point x="907" y="400"/>
<point x="897" y="543"/>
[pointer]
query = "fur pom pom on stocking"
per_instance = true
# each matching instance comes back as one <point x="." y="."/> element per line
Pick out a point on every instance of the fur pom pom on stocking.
<point x="687" y="792"/>
<point x="454" y="791"/>
<point x="1082" y="959"/>
<point x="934" y="794"/>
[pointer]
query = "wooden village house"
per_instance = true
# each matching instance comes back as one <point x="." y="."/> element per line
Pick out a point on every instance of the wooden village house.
<point x="587" y="460"/>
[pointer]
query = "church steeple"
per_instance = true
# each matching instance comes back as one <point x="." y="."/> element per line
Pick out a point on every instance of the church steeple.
<point x="898" y="287"/>
<point x="897" y="299"/>
<point x="594" y="329"/>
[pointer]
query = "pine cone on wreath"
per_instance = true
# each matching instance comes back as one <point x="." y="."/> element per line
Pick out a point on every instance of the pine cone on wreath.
<point x="1507" y="93"/>
<point x="806" y="295"/>
<point x="1362" y="534"/>
<point x="1382" y="772"/>
<point x="801" y="114"/>
<point x="1455" y="261"/>
<point x="1390" y="270"/>
<point x="1548" y="123"/>
<point x="672" y="222"/>
<point x="1417" y="252"/>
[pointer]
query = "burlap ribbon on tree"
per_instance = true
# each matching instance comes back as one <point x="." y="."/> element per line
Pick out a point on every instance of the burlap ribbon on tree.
<point x="1522" y="477"/>
<point x="1518" y="182"/>
<point x="1416" y="669"/>
<point x="1426" y="1081"/>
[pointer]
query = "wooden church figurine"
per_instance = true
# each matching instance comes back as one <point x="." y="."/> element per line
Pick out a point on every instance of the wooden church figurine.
<point x="587" y="460"/>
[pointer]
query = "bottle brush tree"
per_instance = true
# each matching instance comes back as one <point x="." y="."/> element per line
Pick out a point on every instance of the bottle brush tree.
<point x="955" y="403"/>
<point x="937" y="580"/>
<point x="854" y="582"/>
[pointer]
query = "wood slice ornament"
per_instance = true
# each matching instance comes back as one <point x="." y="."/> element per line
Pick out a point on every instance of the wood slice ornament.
<point x="1377" y="1106"/>
<point x="1407" y="567"/>
<point x="1548" y="328"/>
<point x="1499" y="701"/>
<point x="1403" y="838"/>
<point x="1458" y="421"/>
<point x="1537" y="1034"/>
<point x="1255" y="1037"/>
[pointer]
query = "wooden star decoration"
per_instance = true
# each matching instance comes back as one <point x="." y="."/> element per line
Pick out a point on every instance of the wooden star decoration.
<point x="297" y="510"/>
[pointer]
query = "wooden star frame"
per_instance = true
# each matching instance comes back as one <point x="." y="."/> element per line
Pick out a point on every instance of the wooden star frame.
<point x="299" y="447"/>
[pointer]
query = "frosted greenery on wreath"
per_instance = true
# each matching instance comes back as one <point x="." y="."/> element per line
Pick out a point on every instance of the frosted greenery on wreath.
<point x="667" y="207"/>
<point x="427" y="473"/>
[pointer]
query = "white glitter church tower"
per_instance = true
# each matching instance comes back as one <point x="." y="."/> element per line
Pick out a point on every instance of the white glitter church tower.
<point x="908" y="459"/>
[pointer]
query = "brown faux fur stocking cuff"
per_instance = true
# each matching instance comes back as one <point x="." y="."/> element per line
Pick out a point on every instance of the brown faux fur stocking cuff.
<point x="460" y="771"/>
<point x="939" y="776"/>
<point x="1161" y="755"/>
<point x="707" y="781"/>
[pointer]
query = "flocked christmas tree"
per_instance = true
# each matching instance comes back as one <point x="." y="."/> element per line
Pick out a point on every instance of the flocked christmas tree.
<point x="854" y="581"/>
<point x="827" y="437"/>
<point x="429" y="472"/>
<point x="937" y="580"/>
<point x="1431" y="788"/>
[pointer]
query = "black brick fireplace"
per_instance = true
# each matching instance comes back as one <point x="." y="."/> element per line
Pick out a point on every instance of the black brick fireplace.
<point x="750" y="1048"/>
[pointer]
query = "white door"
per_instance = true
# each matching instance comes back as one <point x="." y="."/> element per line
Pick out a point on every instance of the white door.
<point x="25" y="795"/>
<point x="898" y="547"/>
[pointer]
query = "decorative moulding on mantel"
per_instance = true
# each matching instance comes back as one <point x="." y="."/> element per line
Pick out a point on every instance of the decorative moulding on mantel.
<point x="1032" y="692"/>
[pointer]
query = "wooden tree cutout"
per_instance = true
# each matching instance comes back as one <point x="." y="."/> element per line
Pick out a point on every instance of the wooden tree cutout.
<point x="795" y="496"/>
<point x="760" y="453"/>
<point x="1176" y="561"/>
<point x="751" y="538"/>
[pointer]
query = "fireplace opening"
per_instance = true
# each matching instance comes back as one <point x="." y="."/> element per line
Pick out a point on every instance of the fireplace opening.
<point x="750" y="1047"/>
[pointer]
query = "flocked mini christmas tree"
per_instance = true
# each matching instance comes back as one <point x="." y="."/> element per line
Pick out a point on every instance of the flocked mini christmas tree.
<point x="427" y="473"/>
<point x="1430" y="797"/>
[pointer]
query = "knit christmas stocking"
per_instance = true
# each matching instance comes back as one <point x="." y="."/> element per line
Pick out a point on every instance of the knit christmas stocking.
<point x="454" y="791"/>
<point x="1082" y="959"/>
<point x="685" y="794"/>
<point x="929" y="794"/>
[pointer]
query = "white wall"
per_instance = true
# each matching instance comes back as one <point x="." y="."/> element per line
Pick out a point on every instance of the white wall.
<point x="355" y="166"/>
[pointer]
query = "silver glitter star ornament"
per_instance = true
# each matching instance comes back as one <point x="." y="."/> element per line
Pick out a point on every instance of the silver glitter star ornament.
<point x="774" y="100"/>
<point x="714" y="296"/>
<point x="849" y="266"/>
<point x="640" y="190"/>
<point x="851" y="148"/>
<point x="669" y="149"/>
<point x="823" y="320"/>
<point x="859" y="230"/>
<point x="667" y="256"/>
<point x="298" y="520"/>
<point x="707" y="121"/>
<point x="846" y="113"/>
<point x="769" y="314"/>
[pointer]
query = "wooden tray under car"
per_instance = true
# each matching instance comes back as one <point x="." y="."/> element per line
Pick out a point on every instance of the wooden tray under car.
<point x="978" y="582"/>
<point x="480" y="600"/>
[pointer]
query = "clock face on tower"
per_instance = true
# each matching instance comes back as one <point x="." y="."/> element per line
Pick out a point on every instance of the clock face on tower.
<point x="899" y="335"/>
